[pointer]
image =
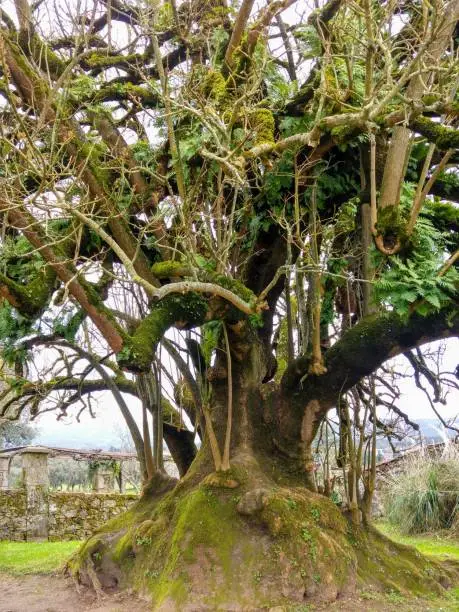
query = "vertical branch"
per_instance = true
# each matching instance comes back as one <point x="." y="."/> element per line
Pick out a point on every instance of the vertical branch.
<point x="370" y="479"/>
<point x="423" y="191"/>
<point x="176" y="15"/>
<point x="296" y="203"/>
<point x="419" y="188"/>
<point x="144" y="392"/>
<point x="213" y="442"/>
<point x="373" y="209"/>
<point x="238" y="30"/>
<point x="229" y="418"/>
<point x="317" y="367"/>
<point x="369" y="219"/>
<point x="288" y="48"/>
<point x="149" y="462"/>
<point x="303" y="309"/>
<point x="373" y="440"/>
<point x="367" y="268"/>
<point x="327" y="480"/>
<point x="24" y="15"/>
<point x="303" y="327"/>
<point x="352" y="474"/>
<point x="168" y="108"/>
<point x="370" y="58"/>
<point x="288" y="304"/>
<point x="159" y="459"/>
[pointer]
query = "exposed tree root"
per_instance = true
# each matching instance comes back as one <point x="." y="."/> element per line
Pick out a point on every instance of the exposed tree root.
<point x="262" y="543"/>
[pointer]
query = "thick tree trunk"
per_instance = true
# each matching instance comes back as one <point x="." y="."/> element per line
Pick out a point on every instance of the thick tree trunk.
<point x="258" y="535"/>
<point x="254" y="536"/>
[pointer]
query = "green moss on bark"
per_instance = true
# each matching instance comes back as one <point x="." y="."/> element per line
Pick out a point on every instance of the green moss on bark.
<point x="31" y="299"/>
<point x="390" y="567"/>
<point x="262" y="123"/>
<point x="444" y="137"/>
<point x="185" y="310"/>
<point x="42" y="54"/>
<point x="391" y="223"/>
<point x="194" y="546"/>
<point x="170" y="269"/>
<point x="215" y="86"/>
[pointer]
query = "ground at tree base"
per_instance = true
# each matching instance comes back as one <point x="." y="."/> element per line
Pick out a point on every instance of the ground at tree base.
<point x="55" y="593"/>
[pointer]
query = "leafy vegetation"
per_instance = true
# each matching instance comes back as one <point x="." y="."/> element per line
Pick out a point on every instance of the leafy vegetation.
<point x="16" y="434"/>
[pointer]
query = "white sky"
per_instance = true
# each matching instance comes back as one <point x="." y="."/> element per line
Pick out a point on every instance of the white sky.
<point x="103" y="431"/>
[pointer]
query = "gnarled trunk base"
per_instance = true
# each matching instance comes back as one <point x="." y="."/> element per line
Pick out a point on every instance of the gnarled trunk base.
<point x="231" y="542"/>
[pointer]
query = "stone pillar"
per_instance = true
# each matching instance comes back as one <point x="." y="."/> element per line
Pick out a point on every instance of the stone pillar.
<point x="104" y="480"/>
<point x="122" y="477"/>
<point x="36" y="483"/>
<point x="4" y="471"/>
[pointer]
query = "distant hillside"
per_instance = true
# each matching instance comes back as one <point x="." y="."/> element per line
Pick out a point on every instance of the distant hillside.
<point x="432" y="432"/>
<point x="96" y="434"/>
<point x="78" y="437"/>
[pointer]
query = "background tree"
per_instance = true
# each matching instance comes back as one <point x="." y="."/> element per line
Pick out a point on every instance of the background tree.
<point x="254" y="180"/>
<point x="68" y="473"/>
<point x="16" y="433"/>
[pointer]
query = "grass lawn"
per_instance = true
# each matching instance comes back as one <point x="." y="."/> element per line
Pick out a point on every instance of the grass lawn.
<point x="34" y="557"/>
<point x="427" y="544"/>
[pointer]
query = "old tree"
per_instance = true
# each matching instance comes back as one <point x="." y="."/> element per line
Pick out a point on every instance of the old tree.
<point x="272" y="179"/>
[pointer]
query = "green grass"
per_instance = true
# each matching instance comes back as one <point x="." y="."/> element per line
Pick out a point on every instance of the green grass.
<point x="34" y="557"/>
<point x="428" y="545"/>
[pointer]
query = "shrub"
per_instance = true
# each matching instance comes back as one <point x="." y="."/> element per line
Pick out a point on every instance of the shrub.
<point x="425" y="496"/>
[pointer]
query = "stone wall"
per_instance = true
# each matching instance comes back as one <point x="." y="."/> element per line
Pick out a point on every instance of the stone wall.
<point x="13" y="515"/>
<point x="74" y="516"/>
<point x="67" y="516"/>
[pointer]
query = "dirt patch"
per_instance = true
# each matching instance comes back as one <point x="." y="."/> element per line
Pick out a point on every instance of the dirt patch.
<point x="55" y="593"/>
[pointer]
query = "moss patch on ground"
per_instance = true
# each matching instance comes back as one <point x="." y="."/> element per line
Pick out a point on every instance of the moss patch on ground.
<point x="394" y="567"/>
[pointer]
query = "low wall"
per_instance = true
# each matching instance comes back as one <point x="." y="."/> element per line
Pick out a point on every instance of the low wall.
<point x="69" y="516"/>
<point x="13" y="515"/>
<point x="74" y="516"/>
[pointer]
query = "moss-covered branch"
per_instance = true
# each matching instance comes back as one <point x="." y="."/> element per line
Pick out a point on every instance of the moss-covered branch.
<point x="363" y="349"/>
<point x="81" y="290"/>
<point x="83" y="387"/>
<point x="115" y="91"/>
<point x="31" y="299"/>
<point x="42" y="54"/>
<point x="209" y="288"/>
<point x="186" y="310"/>
<point x="184" y="305"/>
<point x="444" y="137"/>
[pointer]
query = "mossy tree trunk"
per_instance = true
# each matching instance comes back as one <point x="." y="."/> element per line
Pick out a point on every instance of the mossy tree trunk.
<point x="218" y="199"/>
<point x="257" y="535"/>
